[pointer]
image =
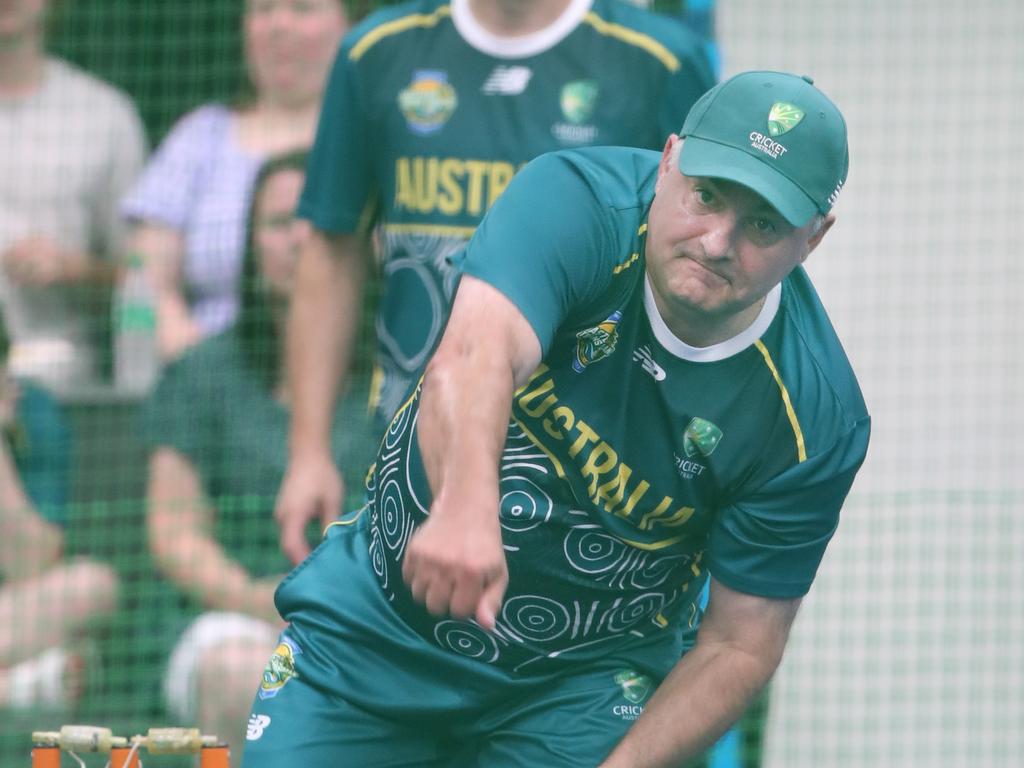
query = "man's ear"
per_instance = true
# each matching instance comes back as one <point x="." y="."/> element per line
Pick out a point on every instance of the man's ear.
<point x="813" y="240"/>
<point x="669" y="158"/>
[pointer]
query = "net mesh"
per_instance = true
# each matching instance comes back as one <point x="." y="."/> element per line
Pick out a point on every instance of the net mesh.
<point x="908" y="650"/>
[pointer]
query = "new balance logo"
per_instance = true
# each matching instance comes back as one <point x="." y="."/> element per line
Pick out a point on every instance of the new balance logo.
<point x="643" y="356"/>
<point x="507" y="81"/>
<point x="257" y="723"/>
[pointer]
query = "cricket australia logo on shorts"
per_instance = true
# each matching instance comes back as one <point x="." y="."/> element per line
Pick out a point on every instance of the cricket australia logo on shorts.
<point x="280" y="669"/>
<point x="635" y="689"/>
<point x="596" y="343"/>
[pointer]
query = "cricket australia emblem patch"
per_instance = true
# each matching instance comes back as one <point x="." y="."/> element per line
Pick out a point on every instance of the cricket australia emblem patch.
<point x="635" y="689"/>
<point x="280" y="669"/>
<point x="596" y="343"/>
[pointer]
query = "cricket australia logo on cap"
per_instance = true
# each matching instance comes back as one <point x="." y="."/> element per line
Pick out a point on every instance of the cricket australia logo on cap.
<point x="782" y="118"/>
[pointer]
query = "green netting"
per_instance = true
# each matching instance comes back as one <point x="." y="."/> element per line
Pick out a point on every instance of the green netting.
<point x="908" y="651"/>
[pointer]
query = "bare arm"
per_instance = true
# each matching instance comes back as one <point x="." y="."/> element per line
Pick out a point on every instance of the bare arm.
<point x="322" y="324"/>
<point x="28" y="543"/>
<point x="162" y="250"/>
<point x="739" y="646"/>
<point x="455" y="563"/>
<point x="179" y="519"/>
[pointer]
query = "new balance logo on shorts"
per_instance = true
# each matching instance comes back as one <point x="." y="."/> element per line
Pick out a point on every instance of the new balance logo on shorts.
<point x="257" y="724"/>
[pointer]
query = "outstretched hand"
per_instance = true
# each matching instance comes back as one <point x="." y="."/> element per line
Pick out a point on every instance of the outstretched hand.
<point x="455" y="565"/>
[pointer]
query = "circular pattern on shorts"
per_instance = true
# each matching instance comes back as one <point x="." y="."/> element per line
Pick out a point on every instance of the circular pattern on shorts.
<point x="523" y="505"/>
<point x="466" y="639"/>
<point x="590" y="550"/>
<point x="536" y="618"/>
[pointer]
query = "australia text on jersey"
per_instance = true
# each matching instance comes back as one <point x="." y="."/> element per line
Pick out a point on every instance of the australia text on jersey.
<point x="450" y="185"/>
<point x="612" y="485"/>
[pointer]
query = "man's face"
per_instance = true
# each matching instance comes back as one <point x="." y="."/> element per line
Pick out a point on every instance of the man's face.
<point x="20" y="19"/>
<point x="715" y="248"/>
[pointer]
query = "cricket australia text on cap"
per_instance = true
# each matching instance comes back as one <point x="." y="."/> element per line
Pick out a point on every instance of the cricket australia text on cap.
<point x="775" y="133"/>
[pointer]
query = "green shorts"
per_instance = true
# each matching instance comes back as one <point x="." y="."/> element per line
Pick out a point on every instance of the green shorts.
<point x="350" y="684"/>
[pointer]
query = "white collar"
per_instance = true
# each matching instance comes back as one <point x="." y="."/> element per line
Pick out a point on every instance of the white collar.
<point x="521" y="46"/>
<point x="679" y="348"/>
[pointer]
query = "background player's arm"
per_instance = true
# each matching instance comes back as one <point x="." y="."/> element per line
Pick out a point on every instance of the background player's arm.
<point x="322" y="325"/>
<point x="739" y="646"/>
<point x="455" y="563"/>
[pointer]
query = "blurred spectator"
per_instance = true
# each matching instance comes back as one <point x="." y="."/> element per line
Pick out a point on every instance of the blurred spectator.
<point x="189" y="205"/>
<point x="71" y="145"/>
<point x="44" y="603"/>
<point x="216" y="426"/>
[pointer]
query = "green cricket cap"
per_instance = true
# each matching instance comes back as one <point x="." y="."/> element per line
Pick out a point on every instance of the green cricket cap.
<point x="775" y="133"/>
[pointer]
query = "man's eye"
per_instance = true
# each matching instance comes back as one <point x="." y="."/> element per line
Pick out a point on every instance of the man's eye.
<point x="764" y="226"/>
<point x="704" y="196"/>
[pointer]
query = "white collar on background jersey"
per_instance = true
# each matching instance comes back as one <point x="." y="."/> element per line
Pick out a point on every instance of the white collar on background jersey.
<point x="720" y="351"/>
<point x="516" y="47"/>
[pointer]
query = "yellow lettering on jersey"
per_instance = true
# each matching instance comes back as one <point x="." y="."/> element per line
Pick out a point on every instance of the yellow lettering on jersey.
<point x="562" y="414"/>
<point x="449" y="185"/>
<point x="528" y="397"/>
<point x="405" y="195"/>
<point x="601" y="460"/>
<point x="609" y="495"/>
<point x="587" y="435"/>
<point x="611" y="483"/>
<point x="451" y="199"/>
<point x="476" y="169"/>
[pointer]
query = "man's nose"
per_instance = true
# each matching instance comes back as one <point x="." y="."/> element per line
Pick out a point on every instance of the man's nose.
<point x="719" y="237"/>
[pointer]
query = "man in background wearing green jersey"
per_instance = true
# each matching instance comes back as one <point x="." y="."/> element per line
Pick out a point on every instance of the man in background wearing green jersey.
<point x="432" y="107"/>
<point x="637" y="393"/>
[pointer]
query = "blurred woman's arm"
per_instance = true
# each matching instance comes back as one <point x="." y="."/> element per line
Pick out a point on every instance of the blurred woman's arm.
<point x="180" y="521"/>
<point x="161" y="249"/>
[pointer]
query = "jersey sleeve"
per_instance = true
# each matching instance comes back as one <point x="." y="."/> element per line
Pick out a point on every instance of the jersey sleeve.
<point x="545" y="244"/>
<point x="166" y="189"/>
<point x="771" y="543"/>
<point x="339" y="181"/>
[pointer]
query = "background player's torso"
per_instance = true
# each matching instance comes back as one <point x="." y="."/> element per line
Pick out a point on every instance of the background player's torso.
<point x="451" y="124"/>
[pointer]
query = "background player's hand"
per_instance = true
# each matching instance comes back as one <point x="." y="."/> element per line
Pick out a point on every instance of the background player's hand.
<point x="312" y="488"/>
<point x="455" y="564"/>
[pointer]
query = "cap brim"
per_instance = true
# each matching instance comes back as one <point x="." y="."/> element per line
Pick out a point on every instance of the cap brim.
<point x="700" y="157"/>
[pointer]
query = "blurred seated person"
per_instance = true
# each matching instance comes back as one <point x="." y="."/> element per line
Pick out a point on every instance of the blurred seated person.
<point x="189" y="206"/>
<point x="70" y="146"/>
<point x="45" y="602"/>
<point x="216" y="427"/>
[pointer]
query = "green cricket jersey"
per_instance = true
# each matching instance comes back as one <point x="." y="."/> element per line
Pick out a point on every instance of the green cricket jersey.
<point x="427" y="117"/>
<point x="634" y="464"/>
